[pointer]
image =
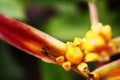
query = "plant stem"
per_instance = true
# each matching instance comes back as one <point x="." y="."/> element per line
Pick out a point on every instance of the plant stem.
<point x="93" y="13"/>
<point x="109" y="71"/>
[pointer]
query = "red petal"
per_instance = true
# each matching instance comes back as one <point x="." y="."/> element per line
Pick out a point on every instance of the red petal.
<point x="109" y="71"/>
<point x="30" y="40"/>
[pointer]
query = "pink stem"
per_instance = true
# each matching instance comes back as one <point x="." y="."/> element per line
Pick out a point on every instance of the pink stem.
<point x="93" y="12"/>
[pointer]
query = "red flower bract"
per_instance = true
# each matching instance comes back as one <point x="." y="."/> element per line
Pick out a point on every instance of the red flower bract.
<point x="30" y="40"/>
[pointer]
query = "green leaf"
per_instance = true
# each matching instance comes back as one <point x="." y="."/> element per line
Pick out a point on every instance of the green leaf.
<point x="14" y="8"/>
<point x="53" y="72"/>
<point x="68" y="23"/>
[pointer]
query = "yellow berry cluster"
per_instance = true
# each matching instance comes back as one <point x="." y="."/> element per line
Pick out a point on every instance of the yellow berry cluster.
<point x="95" y="46"/>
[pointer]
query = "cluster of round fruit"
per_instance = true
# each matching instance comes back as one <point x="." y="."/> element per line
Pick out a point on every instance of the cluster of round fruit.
<point x="95" y="46"/>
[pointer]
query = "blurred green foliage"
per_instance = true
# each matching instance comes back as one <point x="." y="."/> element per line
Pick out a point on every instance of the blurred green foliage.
<point x="63" y="19"/>
<point x="12" y="8"/>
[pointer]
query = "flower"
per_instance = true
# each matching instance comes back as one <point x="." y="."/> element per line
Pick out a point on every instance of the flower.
<point x="30" y="40"/>
<point x="95" y="46"/>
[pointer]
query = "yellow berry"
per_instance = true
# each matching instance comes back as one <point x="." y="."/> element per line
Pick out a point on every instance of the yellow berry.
<point x="97" y="41"/>
<point x="83" y="68"/>
<point x="66" y="66"/>
<point x="83" y="43"/>
<point x="90" y="34"/>
<point x="77" y="42"/>
<point x="60" y="60"/>
<point x="106" y="32"/>
<point x="111" y="48"/>
<point x="94" y="41"/>
<point x="69" y="45"/>
<point x="74" y="55"/>
<point x="89" y="57"/>
<point x="104" y="56"/>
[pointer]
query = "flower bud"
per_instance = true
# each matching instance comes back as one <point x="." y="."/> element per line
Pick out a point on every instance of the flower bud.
<point x="94" y="41"/>
<point x="106" y="32"/>
<point x="77" y="42"/>
<point x="83" y="68"/>
<point x="69" y="45"/>
<point x="90" y="57"/>
<point x="60" y="60"/>
<point x="66" y="66"/>
<point x="74" y="55"/>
